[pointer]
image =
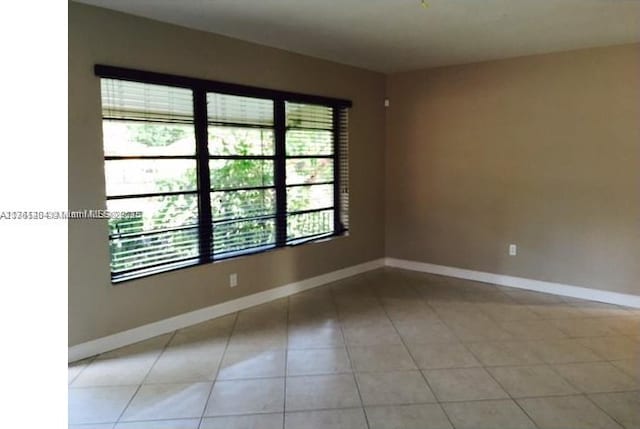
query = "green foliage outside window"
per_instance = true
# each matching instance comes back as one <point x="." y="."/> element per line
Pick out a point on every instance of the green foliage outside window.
<point x="242" y="219"/>
<point x="157" y="135"/>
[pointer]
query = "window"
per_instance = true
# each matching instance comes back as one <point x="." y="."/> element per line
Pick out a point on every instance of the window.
<point x="242" y="169"/>
<point x="217" y="170"/>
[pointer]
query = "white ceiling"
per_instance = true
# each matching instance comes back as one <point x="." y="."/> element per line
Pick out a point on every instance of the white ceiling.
<point x="399" y="35"/>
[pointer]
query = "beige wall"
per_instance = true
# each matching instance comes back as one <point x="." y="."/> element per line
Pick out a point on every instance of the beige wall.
<point x="540" y="151"/>
<point x="96" y="35"/>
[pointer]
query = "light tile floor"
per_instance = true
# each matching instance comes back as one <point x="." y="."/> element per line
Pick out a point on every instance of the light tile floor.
<point x="388" y="349"/>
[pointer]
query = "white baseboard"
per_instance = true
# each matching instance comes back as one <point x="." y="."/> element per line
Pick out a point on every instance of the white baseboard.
<point x="121" y="339"/>
<point x="519" y="282"/>
<point x="111" y="342"/>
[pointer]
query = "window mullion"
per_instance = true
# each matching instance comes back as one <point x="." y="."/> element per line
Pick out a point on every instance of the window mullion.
<point x="280" y="172"/>
<point x="204" y="181"/>
<point x="274" y="152"/>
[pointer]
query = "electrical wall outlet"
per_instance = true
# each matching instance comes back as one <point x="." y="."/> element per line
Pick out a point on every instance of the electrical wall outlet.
<point x="233" y="280"/>
<point x="513" y="250"/>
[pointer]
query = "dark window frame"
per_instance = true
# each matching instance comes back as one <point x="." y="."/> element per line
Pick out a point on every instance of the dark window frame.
<point x="200" y="88"/>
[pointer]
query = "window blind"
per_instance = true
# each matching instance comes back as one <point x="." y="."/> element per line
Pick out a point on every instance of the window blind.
<point x="125" y="100"/>
<point x="217" y="174"/>
<point x="150" y="168"/>
<point x="311" y="159"/>
<point x="243" y="196"/>
<point x="343" y="176"/>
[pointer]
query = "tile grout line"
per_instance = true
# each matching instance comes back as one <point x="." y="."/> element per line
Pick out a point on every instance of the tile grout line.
<point x="403" y="404"/>
<point x="550" y="365"/>
<point x="90" y="361"/>
<point x="344" y="340"/>
<point x="529" y="303"/>
<point x="273" y="377"/>
<point x="124" y="410"/>
<point x="542" y="363"/>
<point x="581" y="392"/>
<point x="603" y="410"/>
<point x="286" y="364"/>
<point x="422" y="373"/>
<point x="513" y="399"/>
<point x="164" y="349"/>
<point x="617" y="333"/>
<point x="485" y="370"/>
<point x="424" y="377"/>
<point x="215" y="378"/>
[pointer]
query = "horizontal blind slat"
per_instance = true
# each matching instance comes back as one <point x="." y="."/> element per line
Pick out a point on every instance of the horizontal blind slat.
<point x="343" y="155"/>
<point x="163" y="232"/>
<point x="123" y="99"/>
<point x="238" y="110"/>
<point x="309" y="116"/>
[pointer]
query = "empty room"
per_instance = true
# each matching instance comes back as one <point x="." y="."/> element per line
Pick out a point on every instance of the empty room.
<point x="382" y="214"/>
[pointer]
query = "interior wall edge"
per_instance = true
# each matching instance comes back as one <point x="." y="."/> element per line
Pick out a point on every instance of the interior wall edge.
<point x="150" y="330"/>
<point x="553" y="288"/>
<point x="141" y="333"/>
